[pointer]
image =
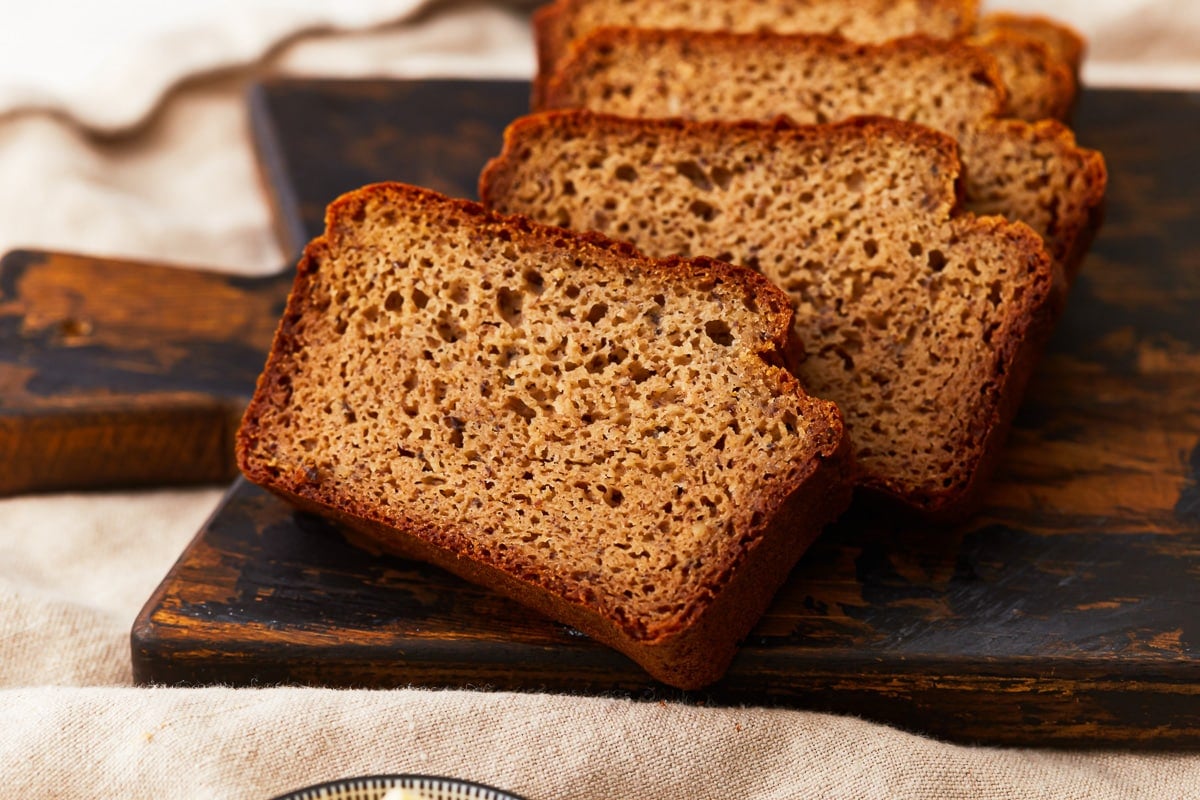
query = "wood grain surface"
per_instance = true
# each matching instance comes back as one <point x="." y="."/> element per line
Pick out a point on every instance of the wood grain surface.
<point x="1066" y="613"/>
<point x="317" y="139"/>
<point x="118" y="373"/>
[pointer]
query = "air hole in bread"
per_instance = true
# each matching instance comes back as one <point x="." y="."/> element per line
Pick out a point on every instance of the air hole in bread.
<point x="509" y="304"/>
<point x="719" y="332"/>
<point x="695" y="174"/>
<point x="534" y="281"/>
<point x="597" y="313"/>
<point x="703" y="210"/>
<point x="518" y="407"/>
<point x="995" y="293"/>
<point x="625" y="172"/>
<point x="721" y="176"/>
<point x="449" y="330"/>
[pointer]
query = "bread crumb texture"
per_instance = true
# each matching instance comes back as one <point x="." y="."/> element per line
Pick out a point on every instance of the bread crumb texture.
<point x="1033" y="173"/>
<point x="640" y="72"/>
<point x="1041" y="85"/>
<point x="857" y="20"/>
<point x="910" y="314"/>
<point x="558" y="24"/>
<point x="600" y="425"/>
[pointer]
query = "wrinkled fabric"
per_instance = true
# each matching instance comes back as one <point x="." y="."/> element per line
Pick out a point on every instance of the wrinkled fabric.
<point x="257" y="743"/>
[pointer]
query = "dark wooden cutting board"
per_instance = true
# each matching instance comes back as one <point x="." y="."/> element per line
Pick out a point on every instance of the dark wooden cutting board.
<point x="1067" y="612"/>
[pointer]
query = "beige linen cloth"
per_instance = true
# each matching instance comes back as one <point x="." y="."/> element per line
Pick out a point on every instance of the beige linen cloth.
<point x="174" y="180"/>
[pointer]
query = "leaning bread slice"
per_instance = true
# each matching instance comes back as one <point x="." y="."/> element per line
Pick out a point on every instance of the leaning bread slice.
<point x="559" y="24"/>
<point x="602" y="436"/>
<point x="922" y="323"/>
<point x="1039" y="82"/>
<point x="644" y="72"/>
<point x="1034" y="173"/>
<point x="1064" y="42"/>
<point x="1038" y="59"/>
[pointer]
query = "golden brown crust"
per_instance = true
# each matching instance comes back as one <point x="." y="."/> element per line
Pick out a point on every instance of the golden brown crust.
<point x="686" y="649"/>
<point x="342" y="211"/>
<point x="547" y="37"/>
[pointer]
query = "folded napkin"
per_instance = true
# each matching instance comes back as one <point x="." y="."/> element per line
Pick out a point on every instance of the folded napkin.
<point x="253" y="744"/>
<point x="184" y="187"/>
<point x="108" y="64"/>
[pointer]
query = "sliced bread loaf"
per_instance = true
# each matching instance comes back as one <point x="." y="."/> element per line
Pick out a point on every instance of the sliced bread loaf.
<point x="920" y="321"/>
<point x="1034" y="173"/>
<point x="644" y="72"/>
<point x="1037" y="58"/>
<point x="1063" y="41"/>
<point x="1040" y="83"/>
<point x="558" y="24"/>
<point x="602" y="436"/>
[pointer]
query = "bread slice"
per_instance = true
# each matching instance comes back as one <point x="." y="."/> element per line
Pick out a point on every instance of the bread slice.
<point x="605" y="437"/>
<point x="948" y="85"/>
<point x="1039" y="60"/>
<point x="558" y="24"/>
<point x="1040" y="84"/>
<point x="1063" y="41"/>
<point x="1034" y="173"/>
<point x="920" y="321"/>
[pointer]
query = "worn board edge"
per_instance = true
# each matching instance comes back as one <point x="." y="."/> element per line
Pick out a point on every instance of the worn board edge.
<point x="110" y="381"/>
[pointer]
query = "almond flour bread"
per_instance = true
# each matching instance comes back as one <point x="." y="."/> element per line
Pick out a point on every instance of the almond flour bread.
<point x="558" y="24"/>
<point x="1037" y="58"/>
<point x="1032" y="173"/>
<point x="1039" y="175"/>
<point x="1063" y="41"/>
<point x="1040" y="83"/>
<point x="920" y="321"/>
<point x="948" y="85"/>
<point x="605" y="437"/>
